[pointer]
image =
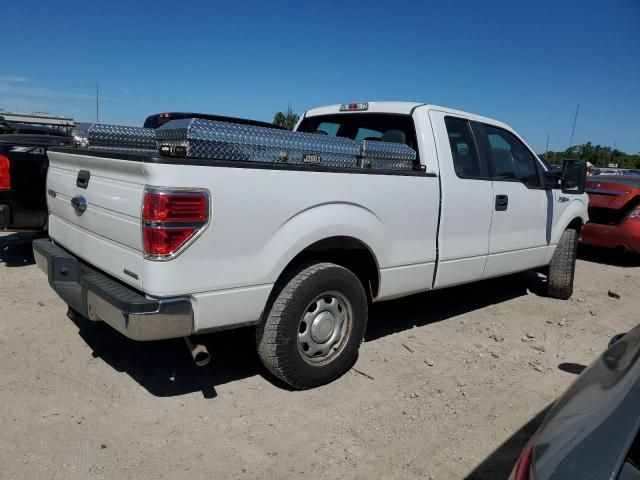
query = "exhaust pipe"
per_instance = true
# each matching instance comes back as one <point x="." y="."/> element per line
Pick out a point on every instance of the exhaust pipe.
<point x="198" y="351"/>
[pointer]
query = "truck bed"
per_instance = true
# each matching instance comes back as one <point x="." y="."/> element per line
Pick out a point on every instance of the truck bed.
<point x="262" y="216"/>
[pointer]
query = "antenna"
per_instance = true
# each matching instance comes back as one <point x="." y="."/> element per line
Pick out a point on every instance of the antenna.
<point x="575" y="118"/>
<point x="546" y="149"/>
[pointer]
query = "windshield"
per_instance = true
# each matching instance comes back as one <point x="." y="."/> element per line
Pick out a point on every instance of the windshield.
<point x="384" y="127"/>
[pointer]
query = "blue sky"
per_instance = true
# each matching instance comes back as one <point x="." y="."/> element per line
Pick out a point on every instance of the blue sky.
<point x="527" y="63"/>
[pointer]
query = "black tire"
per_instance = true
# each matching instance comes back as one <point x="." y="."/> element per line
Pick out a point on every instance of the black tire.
<point x="278" y="345"/>
<point x="563" y="266"/>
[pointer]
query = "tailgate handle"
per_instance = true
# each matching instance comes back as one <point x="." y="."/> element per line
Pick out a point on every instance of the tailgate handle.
<point x="83" y="178"/>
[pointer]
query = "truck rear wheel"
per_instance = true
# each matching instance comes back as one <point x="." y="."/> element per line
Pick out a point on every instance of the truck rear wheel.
<point x="313" y="330"/>
<point x="563" y="265"/>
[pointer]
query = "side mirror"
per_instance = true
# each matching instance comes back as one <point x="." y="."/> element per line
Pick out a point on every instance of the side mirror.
<point x="574" y="177"/>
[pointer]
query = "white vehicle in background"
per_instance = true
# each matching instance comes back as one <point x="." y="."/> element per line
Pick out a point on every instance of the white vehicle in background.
<point x="165" y="245"/>
<point x="611" y="171"/>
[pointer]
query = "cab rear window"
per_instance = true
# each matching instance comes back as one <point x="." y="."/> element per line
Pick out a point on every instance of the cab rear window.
<point x="383" y="127"/>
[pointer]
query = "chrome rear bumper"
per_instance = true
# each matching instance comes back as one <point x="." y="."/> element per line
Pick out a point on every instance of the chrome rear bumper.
<point x="99" y="297"/>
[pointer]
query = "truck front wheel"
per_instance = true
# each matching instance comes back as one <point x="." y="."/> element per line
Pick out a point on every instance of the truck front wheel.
<point x="563" y="265"/>
<point x="311" y="334"/>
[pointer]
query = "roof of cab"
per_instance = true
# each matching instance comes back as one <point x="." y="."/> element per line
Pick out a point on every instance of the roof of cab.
<point x="404" y="108"/>
<point x="374" y="107"/>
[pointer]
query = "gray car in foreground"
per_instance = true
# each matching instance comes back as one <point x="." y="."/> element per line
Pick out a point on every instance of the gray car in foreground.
<point x="591" y="432"/>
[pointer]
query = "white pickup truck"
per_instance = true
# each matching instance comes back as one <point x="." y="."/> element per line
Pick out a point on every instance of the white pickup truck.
<point x="163" y="245"/>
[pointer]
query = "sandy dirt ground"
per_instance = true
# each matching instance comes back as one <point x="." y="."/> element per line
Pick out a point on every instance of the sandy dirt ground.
<point x="452" y="383"/>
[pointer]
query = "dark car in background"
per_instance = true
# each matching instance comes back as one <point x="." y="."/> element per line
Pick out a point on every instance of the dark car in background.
<point x="24" y="164"/>
<point x="23" y="169"/>
<point x="591" y="432"/>
<point x="159" y="119"/>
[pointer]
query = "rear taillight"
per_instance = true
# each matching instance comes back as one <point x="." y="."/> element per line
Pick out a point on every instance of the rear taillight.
<point x="635" y="213"/>
<point x="171" y="219"/>
<point x="524" y="467"/>
<point x="175" y="207"/>
<point x="5" y="173"/>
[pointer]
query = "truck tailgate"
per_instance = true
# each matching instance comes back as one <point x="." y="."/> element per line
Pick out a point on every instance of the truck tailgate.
<point x="108" y="232"/>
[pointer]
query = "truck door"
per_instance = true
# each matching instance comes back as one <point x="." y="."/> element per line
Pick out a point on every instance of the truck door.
<point x="466" y="202"/>
<point x="522" y="208"/>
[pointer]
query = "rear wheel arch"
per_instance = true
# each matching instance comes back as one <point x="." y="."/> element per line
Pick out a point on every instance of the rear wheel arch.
<point x="346" y="251"/>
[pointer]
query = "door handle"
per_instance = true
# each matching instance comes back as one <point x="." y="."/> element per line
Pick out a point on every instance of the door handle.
<point x="502" y="202"/>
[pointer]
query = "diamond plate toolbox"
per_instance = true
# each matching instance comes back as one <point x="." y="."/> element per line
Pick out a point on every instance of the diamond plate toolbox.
<point x="232" y="141"/>
<point x="195" y="138"/>
<point x="387" y="155"/>
<point x="210" y="139"/>
<point x="120" y="138"/>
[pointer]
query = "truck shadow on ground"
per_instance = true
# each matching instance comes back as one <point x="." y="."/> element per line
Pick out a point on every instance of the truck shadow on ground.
<point x="395" y="316"/>
<point x="608" y="256"/>
<point x="165" y="368"/>
<point x="15" y="248"/>
<point x="500" y="463"/>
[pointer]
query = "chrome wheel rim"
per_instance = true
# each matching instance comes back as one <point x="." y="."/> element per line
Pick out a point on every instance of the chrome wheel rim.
<point x="325" y="328"/>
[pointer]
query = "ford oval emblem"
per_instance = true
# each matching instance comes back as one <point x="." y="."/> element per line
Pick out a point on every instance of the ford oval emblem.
<point x="79" y="204"/>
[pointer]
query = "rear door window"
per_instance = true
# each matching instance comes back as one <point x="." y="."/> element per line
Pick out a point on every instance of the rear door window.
<point x="466" y="161"/>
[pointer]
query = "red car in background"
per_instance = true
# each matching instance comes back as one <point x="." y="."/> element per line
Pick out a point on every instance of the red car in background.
<point x="614" y="212"/>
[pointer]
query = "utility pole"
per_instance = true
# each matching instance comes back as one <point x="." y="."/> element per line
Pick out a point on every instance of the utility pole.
<point x="575" y="118"/>
<point x="97" y="105"/>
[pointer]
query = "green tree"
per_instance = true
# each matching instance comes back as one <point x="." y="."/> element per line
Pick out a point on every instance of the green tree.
<point x="599" y="155"/>
<point x="287" y="120"/>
